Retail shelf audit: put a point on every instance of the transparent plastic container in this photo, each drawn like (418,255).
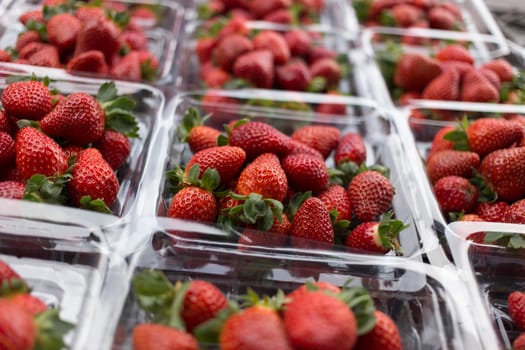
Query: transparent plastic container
(427,303)
(148,111)
(163,36)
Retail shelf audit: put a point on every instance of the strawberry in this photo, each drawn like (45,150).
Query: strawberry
(193,203)
(260,8)
(264,176)
(328,69)
(452,162)
(114,147)
(502,68)
(45,56)
(72,151)
(35,15)
(17,328)
(406,98)
(128,68)
(7,124)
(309,313)
(494,212)
(378,237)
(25,38)
(455,53)
(12,189)
(336,198)
(197,135)
(299,42)
(350,148)
(149,65)
(256,67)
(93,177)
(256,138)
(79,118)
(444,87)
(256,328)
(133,39)
(492,77)
(384,335)
(305,172)
(282,16)
(216,78)
(98,34)
(490,134)
(30,303)
(441,18)
(318,285)
(473,218)
(477,88)
(89,13)
(7,149)
(415,71)
(406,15)
(7,274)
(90,61)
(461,66)
(293,76)
(515,214)
(516,308)
(319,52)
(322,138)
(202,302)
(275,42)
(519,342)
(26,99)
(312,222)
(155,336)
(504,170)
(455,194)
(62,31)
(32,48)
(204,48)
(37,153)
(237,25)
(331,108)
(371,195)
(296,147)
(227,160)
(229,49)
(453,8)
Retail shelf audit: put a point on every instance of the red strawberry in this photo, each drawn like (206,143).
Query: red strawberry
(256,67)
(406,98)
(452,162)
(455,53)
(128,68)
(377,6)
(114,147)
(45,55)
(515,214)
(516,307)
(88,13)
(255,328)
(27,99)
(384,335)
(78,118)
(134,39)
(256,138)
(193,203)
(455,194)
(155,336)
(489,134)
(7,124)
(227,160)
(201,137)
(492,77)
(371,195)
(305,172)
(299,42)
(216,78)
(441,18)
(504,170)
(35,15)
(326,68)
(474,218)
(62,31)
(264,176)
(92,176)
(204,48)
(406,15)
(37,153)
(320,285)
(307,314)
(477,88)
(415,71)
(260,8)
(319,52)
(351,147)
(461,66)
(202,302)
(12,189)
(378,237)
(236,25)
(319,137)
(282,16)
(90,61)
(7,274)
(25,38)
(336,198)
(7,149)
(98,34)
(502,68)
(293,76)
(17,328)
(312,222)
(331,108)
(274,42)
(453,8)
(519,342)
(296,147)
(72,151)
(492,211)
(444,87)
(30,303)
(276,236)
(229,49)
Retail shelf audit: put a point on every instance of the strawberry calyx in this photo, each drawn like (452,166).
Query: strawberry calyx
(458,136)
(503,239)
(47,189)
(18,78)
(275,302)
(210,179)
(387,19)
(388,231)
(358,299)
(68,6)
(362,9)
(295,203)
(98,205)
(121,19)
(317,84)
(191,119)
(39,27)
(148,71)
(237,83)
(118,110)
(388,59)
(13,286)
(51,330)
(485,191)
(204,11)
(224,140)
(154,294)
(208,332)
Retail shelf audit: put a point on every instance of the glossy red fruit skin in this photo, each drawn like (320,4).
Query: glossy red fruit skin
(439,143)
(17,328)
(316,320)
(504,170)
(455,53)
(494,212)
(256,67)
(30,303)
(516,308)
(92,61)
(384,335)
(293,76)
(98,34)
(502,68)
(297,147)
(155,336)
(274,42)
(227,160)
(7,273)
(443,87)
(13,190)
(415,71)
(336,197)
(256,138)
(229,49)
(515,214)
(128,68)
(27,99)
(371,195)
(477,88)
(366,237)
(114,147)
(7,149)
(452,162)
(202,137)
(26,38)
(490,134)
(202,301)
(62,31)
(311,222)
(193,203)
(321,285)
(351,147)
(305,172)
(322,138)
(519,342)
(299,42)
(455,194)
(327,68)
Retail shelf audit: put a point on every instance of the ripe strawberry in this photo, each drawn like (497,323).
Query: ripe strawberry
(25,38)
(384,335)
(88,13)
(305,172)
(461,66)
(92,176)
(296,147)
(114,147)
(516,308)
(319,285)
(193,203)
(274,42)
(282,16)
(309,313)
(406,98)
(490,134)
(502,68)
(519,342)
(515,214)
(12,189)
(35,15)
(155,336)
(45,56)
(494,212)
(455,52)
(351,147)
(444,87)
(62,31)
(331,108)
(504,170)
(378,237)
(264,176)
(477,88)
(90,61)
(128,68)
(17,328)
(311,222)
(319,137)
(406,15)
(260,8)
(299,42)
(475,218)
(32,48)
(204,48)
(29,303)
(455,194)
(72,151)
(27,99)
(256,67)
(78,118)
(319,52)
(227,160)
(37,153)
(255,328)
(293,76)
(229,49)
(134,39)
(415,71)
(326,68)
(216,78)
(7,123)
(98,34)
(202,302)
(237,25)
(441,18)
(371,195)
(276,236)
(256,138)
(336,198)
(7,149)
(7,274)
(452,162)
(492,77)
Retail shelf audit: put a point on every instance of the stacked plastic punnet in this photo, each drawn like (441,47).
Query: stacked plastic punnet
(263,174)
